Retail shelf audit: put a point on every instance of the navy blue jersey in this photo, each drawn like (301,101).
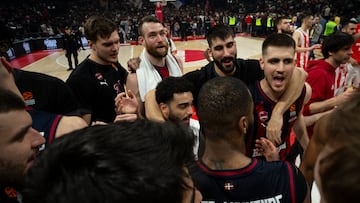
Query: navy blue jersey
(260,181)
(46,93)
(263,107)
(46,123)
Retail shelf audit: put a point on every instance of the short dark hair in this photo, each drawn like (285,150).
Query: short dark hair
(222,101)
(278,20)
(305,16)
(221,31)
(9,101)
(147,19)
(98,26)
(344,21)
(134,162)
(278,40)
(166,89)
(335,42)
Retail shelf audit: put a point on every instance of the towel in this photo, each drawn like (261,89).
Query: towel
(148,77)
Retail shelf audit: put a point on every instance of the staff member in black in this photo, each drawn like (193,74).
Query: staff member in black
(71,47)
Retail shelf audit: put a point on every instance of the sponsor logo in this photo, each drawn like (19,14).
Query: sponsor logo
(29,98)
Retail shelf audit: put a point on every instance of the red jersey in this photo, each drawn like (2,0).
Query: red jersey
(356,47)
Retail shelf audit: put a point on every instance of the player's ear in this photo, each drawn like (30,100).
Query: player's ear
(164,108)
(141,40)
(91,44)
(243,124)
(262,63)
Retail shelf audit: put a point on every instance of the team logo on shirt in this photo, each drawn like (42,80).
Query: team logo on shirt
(293,113)
(100,77)
(263,116)
(228,186)
(29,98)
(117,87)
(10,192)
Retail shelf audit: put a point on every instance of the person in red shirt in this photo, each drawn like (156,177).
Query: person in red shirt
(248,21)
(321,77)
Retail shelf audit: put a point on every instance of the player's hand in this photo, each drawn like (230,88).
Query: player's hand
(133,64)
(315,46)
(267,149)
(273,129)
(345,96)
(126,103)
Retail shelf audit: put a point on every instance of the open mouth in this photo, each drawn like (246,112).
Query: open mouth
(160,47)
(228,61)
(31,160)
(186,120)
(278,80)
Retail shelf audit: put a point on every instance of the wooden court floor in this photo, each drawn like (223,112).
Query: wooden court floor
(56,63)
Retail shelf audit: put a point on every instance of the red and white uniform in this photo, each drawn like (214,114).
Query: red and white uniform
(354,70)
(356,47)
(347,74)
(302,58)
(340,78)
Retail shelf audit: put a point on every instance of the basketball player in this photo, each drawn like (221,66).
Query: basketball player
(224,173)
(222,48)
(278,63)
(302,40)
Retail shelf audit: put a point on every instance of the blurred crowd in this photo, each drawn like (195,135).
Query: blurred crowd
(43,18)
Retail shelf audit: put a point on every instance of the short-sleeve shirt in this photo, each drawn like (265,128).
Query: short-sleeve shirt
(96,86)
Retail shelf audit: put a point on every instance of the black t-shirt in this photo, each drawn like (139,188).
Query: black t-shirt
(96,86)
(45,93)
(248,71)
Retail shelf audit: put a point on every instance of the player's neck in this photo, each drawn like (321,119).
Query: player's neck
(274,96)
(304,27)
(220,154)
(156,61)
(98,60)
(332,62)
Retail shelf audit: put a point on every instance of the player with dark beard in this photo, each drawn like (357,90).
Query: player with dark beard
(222,48)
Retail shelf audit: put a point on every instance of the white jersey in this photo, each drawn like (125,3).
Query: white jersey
(302,58)
(341,73)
